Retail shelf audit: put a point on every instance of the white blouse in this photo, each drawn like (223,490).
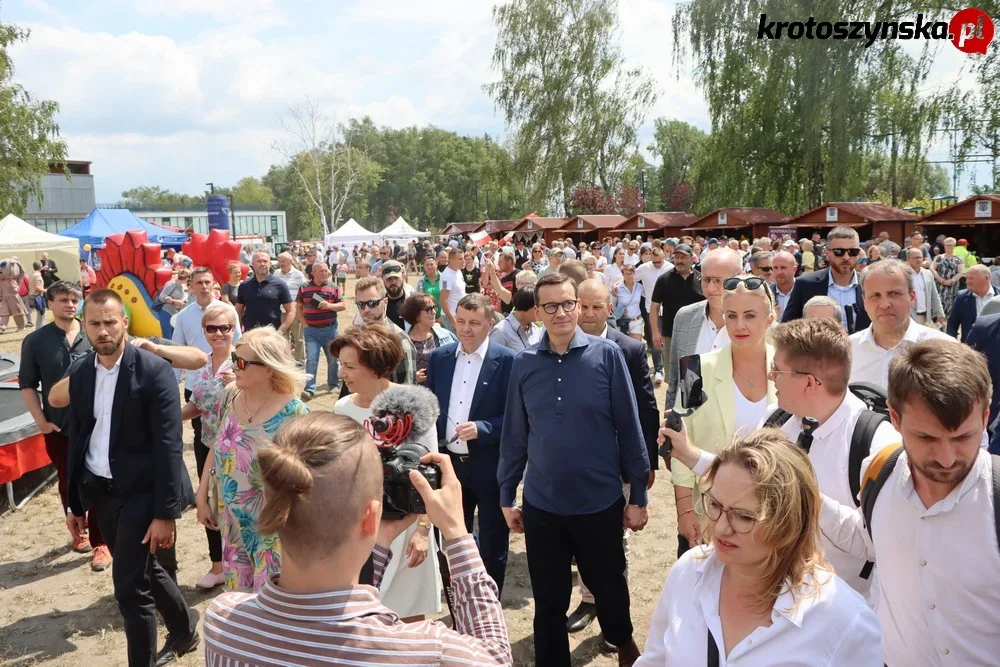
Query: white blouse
(748,415)
(832,628)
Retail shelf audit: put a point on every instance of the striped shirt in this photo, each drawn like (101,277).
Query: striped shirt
(351,627)
(315,316)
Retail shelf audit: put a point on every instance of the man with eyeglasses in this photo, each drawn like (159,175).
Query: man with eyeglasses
(839,280)
(572,412)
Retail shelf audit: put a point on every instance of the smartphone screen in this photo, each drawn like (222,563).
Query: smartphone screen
(690,380)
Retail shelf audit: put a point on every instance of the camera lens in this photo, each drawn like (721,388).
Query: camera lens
(381,425)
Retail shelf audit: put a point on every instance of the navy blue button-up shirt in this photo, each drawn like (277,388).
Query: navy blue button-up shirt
(572,418)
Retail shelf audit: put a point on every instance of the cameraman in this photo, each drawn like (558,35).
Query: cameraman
(324,465)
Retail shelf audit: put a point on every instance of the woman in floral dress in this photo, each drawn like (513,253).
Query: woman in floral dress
(251,410)
(948,269)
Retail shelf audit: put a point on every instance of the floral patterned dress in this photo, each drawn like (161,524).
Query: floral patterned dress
(205,393)
(248,558)
(948,267)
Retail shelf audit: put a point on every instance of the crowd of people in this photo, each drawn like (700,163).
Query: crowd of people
(830,375)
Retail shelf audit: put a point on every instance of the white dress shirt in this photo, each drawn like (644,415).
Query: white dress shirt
(647,275)
(938,595)
(98,458)
(829,627)
(463,388)
(920,289)
(188,331)
(612,273)
(983,300)
(711,337)
(830,454)
(870,362)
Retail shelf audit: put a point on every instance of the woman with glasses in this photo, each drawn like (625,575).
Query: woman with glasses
(759,592)
(263,396)
(219,323)
(948,270)
(537,261)
(735,381)
(411,584)
(425,334)
(626,297)
(430,284)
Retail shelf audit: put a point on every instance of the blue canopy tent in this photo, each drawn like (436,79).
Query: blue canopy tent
(103,222)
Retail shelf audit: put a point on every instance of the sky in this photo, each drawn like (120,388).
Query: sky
(178,93)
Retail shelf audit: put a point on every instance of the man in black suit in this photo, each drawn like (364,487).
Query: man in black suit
(970,301)
(595,306)
(839,281)
(984,336)
(470,381)
(125,461)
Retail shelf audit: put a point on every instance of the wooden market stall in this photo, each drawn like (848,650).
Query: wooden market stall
(588,227)
(869,218)
(655,224)
(976,219)
(744,223)
(462,228)
(532,227)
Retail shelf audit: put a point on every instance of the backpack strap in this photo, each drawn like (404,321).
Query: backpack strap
(861,444)
(875,477)
(777,419)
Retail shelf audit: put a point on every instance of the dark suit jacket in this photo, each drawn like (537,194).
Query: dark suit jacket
(813,284)
(145,447)
(642,386)
(488,400)
(963,314)
(984,336)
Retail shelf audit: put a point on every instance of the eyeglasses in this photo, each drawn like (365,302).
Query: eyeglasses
(429,309)
(552,308)
(241,363)
(218,328)
(774,371)
(765,269)
(840,252)
(739,520)
(365,305)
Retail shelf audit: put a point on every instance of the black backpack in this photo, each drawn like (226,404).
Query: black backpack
(876,413)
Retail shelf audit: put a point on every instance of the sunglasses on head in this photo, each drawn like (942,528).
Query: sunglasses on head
(364,305)
(752,283)
(840,252)
(218,328)
(241,363)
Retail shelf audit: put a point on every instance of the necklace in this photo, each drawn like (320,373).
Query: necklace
(246,406)
(742,375)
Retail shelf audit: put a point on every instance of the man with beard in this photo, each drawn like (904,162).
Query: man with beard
(125,462)
(839,280)
(370,297)
(396,289)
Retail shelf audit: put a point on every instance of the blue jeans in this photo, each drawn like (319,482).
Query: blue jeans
(319,338)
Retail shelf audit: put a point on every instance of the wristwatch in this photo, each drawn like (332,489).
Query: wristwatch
(424,524)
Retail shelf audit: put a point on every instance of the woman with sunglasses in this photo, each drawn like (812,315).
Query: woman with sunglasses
(219,323)
(537,261)
(735,381)
(626,297)
(411,583)
(263,396)
(425,334)
(759,592)
(948,270)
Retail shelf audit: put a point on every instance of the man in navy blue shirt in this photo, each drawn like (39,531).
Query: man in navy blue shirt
(571,411)
(262,297)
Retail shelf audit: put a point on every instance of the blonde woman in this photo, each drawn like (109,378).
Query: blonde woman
(735,381)
(948,270)
(231,289)
(264,396)
(808,256)
(760,591)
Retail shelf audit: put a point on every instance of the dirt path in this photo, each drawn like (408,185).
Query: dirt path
(55,611)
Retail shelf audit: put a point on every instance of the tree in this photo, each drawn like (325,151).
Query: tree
(249,191)
(29,134)
(566,93)
(155,197)
(678,145)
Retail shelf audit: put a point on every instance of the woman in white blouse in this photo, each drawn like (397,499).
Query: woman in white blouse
(759,592)
(626,296)
(613,271)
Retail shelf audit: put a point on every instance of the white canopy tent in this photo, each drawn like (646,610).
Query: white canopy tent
(351,234)
(26,242)
(401,230)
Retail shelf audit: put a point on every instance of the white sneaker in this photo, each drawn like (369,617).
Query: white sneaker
(658,379)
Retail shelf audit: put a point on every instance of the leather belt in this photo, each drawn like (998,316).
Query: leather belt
(462,458)
(104,484)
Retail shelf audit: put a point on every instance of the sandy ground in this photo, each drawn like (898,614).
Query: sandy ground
(55,611)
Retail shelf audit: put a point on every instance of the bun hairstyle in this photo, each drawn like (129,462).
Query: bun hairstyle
(319,474)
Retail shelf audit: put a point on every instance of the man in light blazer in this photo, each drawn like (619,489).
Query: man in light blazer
(927,306)
(698,328)
(470,381)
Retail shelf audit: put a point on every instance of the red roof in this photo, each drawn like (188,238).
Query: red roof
(538,223)
(868,212)
(741,217)
(494,226)
(658,220)
(954,215)
(593,222)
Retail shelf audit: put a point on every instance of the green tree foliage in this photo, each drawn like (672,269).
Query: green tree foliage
(565,91)
(29,134)
(249,192)
(795,122)
(678,145)
(153,196)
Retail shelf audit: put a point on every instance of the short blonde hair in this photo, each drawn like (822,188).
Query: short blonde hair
(219,310)
(274,350)
(788,521)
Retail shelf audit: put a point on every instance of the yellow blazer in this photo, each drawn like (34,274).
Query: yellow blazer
(711,426)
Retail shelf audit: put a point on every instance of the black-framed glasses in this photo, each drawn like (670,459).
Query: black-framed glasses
(218,328)
(752,283)
(840,252)
(739,520)
(774,371)
(552,308)
(241,363)
(429,309)
(367,305)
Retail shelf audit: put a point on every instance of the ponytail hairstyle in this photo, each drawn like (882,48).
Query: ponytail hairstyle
(319,475)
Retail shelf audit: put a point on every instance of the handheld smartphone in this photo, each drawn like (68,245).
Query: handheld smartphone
(692,395)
